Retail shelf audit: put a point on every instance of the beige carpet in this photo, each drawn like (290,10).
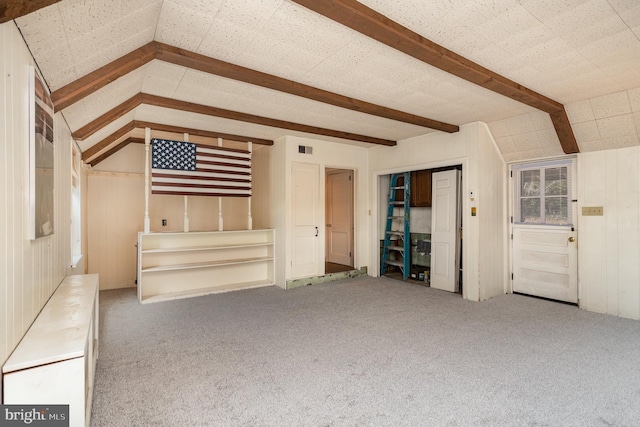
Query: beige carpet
(363,352)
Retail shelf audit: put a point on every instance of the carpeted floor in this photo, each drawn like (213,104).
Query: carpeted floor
(362,352)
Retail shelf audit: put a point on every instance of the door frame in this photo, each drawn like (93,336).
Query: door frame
(376,212)
(327,172)
(511,207)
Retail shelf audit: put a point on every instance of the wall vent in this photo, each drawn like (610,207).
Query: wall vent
(304,149)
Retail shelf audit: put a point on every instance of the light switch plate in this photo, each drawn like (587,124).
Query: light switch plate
(592,211)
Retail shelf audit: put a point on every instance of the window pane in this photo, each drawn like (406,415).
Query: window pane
(555,181)
(530,183)
(555,210)
(530,211)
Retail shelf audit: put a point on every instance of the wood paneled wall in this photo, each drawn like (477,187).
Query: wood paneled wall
(115,212)
(30,270)
(609,245)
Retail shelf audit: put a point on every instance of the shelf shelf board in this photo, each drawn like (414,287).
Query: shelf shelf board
(205,264)
(205,291)
(205,248)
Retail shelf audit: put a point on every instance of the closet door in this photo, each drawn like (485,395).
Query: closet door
(444,231)
(305,203)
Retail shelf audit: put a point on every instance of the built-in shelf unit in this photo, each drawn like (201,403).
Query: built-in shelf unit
(181,265)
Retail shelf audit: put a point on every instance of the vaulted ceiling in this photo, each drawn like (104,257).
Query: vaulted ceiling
(549,77)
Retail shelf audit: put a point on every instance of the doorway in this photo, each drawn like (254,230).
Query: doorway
(339,220)
(435,226)
(544,252)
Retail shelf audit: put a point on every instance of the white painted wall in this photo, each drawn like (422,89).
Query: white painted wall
(609,245)
(327,155)
(484,273)
(30,271)
(491,197)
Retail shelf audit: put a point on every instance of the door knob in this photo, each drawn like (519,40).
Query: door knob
(572,239)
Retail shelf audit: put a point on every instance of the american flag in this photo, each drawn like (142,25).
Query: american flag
(185,168)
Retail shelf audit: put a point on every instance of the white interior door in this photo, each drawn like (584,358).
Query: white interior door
(544,251)
(545,262)
(339,217)
(444,230)
(305,193)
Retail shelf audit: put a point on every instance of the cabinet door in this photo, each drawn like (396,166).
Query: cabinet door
(421,188)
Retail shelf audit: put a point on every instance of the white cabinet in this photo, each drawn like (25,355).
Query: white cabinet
(180,265)
(55,361)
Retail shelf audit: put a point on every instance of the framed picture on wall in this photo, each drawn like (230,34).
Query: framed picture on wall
(41,157)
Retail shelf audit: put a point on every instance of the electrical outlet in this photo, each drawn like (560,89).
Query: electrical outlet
(164,222)
(592,211)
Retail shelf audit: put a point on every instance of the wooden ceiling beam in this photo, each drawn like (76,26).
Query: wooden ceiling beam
(203,133)
(209,65)
(159,101)
(136,124)
(12,9)
(108,117)
(114,150)
(259,120)
(563,128)
(95,149)
(367,21)
(79,89)
(84,86)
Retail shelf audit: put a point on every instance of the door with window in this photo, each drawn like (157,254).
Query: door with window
(544,250)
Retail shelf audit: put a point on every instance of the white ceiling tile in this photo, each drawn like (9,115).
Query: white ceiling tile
(609,143)
(162,78)
(615,47)
(139,20)
(228,42)
(93,42)
(540,120)
(43,30)
(247,12)
(548,138)
(616,126)
(536,153)
(520,124)
(634,99)
(580,111)
(636,120)
(505,144)
(83,17)
(498,129)
(611,105)
(586,131)
(526,141)
(630,140)
(588,146)
(58,67)
(548,9)
(182,26)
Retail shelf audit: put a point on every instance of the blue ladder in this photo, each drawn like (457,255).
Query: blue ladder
(398,241)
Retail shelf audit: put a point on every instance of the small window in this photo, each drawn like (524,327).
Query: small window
(543,193)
